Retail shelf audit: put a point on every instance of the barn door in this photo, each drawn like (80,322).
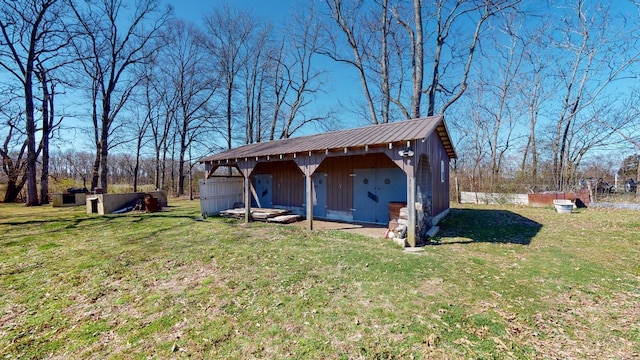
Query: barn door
(365,198)
(320,195)
(392,187)
(264,189)
(373,189)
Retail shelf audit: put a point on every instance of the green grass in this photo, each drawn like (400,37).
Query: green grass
(500,282)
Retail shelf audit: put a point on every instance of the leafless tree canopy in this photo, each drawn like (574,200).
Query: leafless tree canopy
(535,94)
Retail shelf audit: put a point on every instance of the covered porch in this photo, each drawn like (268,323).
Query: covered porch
(349,176)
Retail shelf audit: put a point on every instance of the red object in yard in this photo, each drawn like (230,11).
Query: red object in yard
(546,199)
(150,203)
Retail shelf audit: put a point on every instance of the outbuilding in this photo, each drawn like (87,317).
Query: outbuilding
(348,175)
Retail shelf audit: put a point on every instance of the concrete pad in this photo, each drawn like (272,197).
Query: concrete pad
(370,230)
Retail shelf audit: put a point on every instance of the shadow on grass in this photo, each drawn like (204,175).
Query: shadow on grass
(464,226)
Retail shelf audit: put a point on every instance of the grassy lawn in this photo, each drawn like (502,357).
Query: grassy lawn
(503,282)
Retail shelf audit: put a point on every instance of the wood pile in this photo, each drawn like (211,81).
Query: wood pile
(263,214)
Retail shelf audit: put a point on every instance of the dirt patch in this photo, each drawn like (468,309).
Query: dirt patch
(432,287)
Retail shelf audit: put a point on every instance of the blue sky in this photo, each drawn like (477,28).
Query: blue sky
(194,10)
(342,84)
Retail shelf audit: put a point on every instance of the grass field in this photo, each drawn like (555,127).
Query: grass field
(502,282)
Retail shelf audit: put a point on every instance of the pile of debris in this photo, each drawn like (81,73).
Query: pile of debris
(282,216)
(398,226)
(148,204)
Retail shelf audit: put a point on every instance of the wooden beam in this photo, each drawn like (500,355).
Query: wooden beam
(255,195)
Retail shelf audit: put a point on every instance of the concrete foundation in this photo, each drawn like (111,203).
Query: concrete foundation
(63,200)
(107,203)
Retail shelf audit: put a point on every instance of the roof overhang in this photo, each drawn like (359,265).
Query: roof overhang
(357,140)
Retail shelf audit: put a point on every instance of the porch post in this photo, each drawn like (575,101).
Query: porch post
(246,168)
(408,164)
(247,199)
(309,196)
(308,165)
(411,210)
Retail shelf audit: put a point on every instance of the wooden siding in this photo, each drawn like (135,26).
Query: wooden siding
(433,148)
(288,179)
(340,176)
(288,182)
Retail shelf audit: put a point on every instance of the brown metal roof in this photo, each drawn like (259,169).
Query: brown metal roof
(351,138)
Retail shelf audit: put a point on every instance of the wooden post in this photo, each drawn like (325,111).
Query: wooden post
(247,199)
(411,210)
(246,168)
(308,165)
(309,195)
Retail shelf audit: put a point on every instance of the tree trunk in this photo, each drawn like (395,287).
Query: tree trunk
(136,169)
(157,170)
(44,176)
(95,170)
(47,124)
(104,168)
(181,175)
(104,140)
(418,61)
(229,112)
(32,158)
(384,64)
(13,190)
(190,175)
(435,78)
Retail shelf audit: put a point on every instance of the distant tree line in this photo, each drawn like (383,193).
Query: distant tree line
(73,169)
(535,94)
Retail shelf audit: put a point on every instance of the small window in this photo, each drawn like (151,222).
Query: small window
(441,170)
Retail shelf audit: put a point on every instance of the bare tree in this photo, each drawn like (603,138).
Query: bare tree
(49,123)
(351,19)
(161,104)
(439,26)
(256,72)
(624,121)
(533,92)
(229,34)
(187,64)
(14,145)
(31,35)
(297,80)
(595,52)
(449,17)
(498,83)
(138,129)
(109,46)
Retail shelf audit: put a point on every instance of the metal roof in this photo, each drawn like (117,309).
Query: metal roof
(372,135)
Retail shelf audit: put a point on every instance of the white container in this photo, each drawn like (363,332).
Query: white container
(563,206)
